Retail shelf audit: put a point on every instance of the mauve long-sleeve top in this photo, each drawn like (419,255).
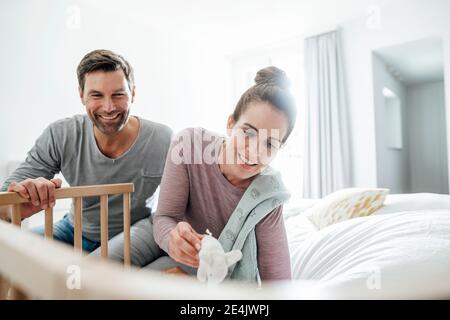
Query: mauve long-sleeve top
(199,194)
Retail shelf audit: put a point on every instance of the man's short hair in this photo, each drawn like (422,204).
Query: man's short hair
(104,60)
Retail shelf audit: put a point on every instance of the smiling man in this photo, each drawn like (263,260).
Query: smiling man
(105,145)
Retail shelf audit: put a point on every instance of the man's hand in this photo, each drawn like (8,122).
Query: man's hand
(184,244)
(40,192)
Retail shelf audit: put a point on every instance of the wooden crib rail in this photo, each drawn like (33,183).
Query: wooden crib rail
(48,269)
(13,200)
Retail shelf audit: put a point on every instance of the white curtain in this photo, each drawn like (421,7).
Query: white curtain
(327,158)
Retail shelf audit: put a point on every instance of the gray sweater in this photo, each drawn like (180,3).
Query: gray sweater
(68,146)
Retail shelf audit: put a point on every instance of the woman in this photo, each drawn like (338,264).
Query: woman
(211,193)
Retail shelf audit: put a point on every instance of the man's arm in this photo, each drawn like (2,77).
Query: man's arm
(43,160)
(32,178)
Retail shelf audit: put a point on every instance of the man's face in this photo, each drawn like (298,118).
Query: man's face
(107,99)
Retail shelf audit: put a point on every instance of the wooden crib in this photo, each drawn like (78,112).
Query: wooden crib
(76,193)
(32,266)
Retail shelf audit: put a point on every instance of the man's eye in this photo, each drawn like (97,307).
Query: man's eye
(118,95)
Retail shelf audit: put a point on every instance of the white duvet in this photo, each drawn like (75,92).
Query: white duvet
(388,255)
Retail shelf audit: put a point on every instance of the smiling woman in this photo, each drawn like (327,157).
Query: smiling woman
(287,55)
(262,121)
(237,196)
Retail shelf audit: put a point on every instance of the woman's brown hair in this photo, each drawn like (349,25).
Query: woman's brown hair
(271,86)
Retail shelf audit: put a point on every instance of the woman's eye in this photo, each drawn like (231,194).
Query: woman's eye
(272,145)
(250,132)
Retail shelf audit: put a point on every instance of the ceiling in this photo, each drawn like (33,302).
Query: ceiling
(415,62)
(241,24)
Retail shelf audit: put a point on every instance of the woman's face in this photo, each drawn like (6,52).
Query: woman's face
(255,139)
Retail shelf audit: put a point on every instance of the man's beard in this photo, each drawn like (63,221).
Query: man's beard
(107,127)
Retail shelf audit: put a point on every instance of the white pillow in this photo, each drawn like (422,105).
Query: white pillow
(413,202)
(346,204)
(296,206)
(298,230)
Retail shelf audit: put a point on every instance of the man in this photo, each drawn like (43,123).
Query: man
(105,145)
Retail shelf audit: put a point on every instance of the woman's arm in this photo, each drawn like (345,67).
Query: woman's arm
(171,233)
(173,198)
(273,252)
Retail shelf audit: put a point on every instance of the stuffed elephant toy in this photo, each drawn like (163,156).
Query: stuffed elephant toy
(214,262)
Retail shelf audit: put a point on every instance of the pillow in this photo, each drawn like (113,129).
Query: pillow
(296,206)
(298,230)
(346,204)
(413,202)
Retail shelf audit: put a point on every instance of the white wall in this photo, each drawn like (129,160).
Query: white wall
(392,164)
(400,22)
(180,80)
(427,140)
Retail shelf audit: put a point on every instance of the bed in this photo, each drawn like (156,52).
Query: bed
(402,250)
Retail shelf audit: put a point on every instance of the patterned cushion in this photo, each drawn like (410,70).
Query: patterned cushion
(346,204)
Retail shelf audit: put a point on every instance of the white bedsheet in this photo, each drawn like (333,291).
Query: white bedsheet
(375,256)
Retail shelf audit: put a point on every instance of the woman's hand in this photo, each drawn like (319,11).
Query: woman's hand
(184,244)
(175,271)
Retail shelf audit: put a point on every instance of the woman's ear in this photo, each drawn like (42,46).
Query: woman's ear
(230,124)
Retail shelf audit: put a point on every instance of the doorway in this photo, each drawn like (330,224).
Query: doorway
(411,138)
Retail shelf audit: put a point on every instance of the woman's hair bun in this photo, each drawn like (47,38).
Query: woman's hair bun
(272,76)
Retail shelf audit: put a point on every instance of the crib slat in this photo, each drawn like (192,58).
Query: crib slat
(49,223)
(77,224)
(16,217)
(126,229)
(104,225)
(16,293)
(4,288)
